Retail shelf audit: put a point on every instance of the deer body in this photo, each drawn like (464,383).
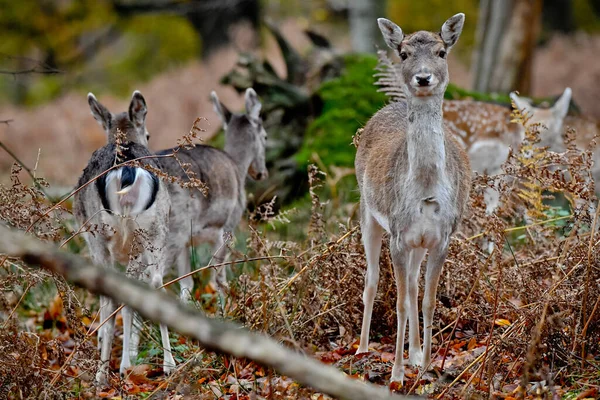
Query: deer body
(414,180)
(121,202)
(207,218)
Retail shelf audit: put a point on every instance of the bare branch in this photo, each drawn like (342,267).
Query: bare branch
(37,67)
(6,121)
(224,337)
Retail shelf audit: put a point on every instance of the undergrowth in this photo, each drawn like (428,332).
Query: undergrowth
(517,312)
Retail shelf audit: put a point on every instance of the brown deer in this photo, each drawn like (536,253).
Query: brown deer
(414,179)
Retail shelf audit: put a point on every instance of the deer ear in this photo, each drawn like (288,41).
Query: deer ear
(392,34)
(138,109)
(452,28)
(100,113)
(253,105)
(222,111)
(561,107)
(521,104)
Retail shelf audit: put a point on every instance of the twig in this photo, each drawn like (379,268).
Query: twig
(16,306)
(6,121)
(328,250)
(587,284)
(25,167)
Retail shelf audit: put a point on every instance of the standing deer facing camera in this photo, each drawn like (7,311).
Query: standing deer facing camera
(414,181)
(122,201)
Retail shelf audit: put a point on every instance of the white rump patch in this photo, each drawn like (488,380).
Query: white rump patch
(133,199)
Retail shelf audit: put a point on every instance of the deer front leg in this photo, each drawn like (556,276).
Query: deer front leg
(432,277)
(415,354)
(372,234)
(400,258)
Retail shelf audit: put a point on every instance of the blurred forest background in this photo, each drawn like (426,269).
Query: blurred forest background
(310,61)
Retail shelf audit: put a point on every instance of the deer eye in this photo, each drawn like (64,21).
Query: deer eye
(403,55)
(442,54)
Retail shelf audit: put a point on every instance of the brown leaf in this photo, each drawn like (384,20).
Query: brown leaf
(472,344)
(387,357)
(138,374)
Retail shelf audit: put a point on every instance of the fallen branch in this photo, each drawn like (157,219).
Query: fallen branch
(224,337)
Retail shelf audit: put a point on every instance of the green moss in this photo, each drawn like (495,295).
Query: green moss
(348,103)
(454,92)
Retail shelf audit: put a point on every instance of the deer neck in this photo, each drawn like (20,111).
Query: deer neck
(242,156)
(425,143)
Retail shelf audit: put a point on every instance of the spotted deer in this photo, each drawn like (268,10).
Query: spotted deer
(488,134)
(122,202)
(414,180)
(208,218)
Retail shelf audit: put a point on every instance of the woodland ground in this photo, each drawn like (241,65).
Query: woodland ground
(519,322)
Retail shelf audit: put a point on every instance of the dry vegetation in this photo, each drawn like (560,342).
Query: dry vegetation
(521,321)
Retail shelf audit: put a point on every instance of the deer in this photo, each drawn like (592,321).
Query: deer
(208,218)
(488,134)
(414,179)
(123,200)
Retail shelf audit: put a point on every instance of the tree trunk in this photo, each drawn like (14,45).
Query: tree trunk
(364,32)
(506,35)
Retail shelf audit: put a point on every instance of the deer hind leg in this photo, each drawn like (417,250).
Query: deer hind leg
(156,281)
(218,275)
(400,259)
(372,235)
(108,305)
(127,324)
(415,354)
(136,327)
(184,267)
(435,263)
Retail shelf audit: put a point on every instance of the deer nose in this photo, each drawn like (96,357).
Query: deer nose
(423,79)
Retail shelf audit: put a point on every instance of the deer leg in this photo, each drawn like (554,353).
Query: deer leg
(168,360)
(218,276)
(372,234)
(108,305)
(186,285)
(415,354)
(127,313)
(432,277)
(135,337)
(400,259)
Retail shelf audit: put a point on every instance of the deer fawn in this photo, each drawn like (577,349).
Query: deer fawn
(414,179)
(207,219)
(122,201)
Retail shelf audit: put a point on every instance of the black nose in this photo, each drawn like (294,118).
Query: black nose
(259,176)
(423,80)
